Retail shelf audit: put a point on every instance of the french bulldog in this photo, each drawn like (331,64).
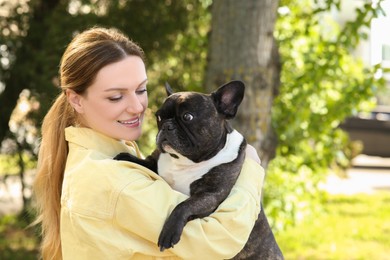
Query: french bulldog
(200,154)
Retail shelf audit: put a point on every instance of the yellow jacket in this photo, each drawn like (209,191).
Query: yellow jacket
(115,209)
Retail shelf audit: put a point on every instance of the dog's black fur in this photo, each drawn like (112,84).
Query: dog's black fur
(194,126)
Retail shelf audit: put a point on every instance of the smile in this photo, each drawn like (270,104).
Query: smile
(132,122)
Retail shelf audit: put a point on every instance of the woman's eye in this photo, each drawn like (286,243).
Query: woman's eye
(141,91)
(188,117)
(115,98)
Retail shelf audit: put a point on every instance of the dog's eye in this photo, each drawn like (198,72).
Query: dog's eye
(188,117)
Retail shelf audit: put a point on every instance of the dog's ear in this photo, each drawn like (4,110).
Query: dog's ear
(228,97)
(168,89)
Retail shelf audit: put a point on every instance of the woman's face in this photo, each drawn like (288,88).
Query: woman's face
(116,102)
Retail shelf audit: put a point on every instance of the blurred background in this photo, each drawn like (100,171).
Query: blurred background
(316,108)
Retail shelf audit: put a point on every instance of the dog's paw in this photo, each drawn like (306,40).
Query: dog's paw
(170,234)
(123,157)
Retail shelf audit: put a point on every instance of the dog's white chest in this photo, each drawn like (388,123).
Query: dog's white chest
(180,173)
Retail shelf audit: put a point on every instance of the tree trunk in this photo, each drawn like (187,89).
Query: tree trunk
(242,47)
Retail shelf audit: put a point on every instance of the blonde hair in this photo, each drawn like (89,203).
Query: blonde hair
(86,54)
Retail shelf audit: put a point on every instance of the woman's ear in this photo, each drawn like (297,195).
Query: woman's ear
(75,100)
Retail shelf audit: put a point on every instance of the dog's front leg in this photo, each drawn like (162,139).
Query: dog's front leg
(149,162)
(193,207)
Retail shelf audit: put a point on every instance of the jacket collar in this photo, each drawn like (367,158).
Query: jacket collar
(90,139)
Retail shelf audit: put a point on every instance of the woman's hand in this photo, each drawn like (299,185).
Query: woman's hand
(252,153)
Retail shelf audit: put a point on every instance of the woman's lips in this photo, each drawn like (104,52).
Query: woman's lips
(135,122)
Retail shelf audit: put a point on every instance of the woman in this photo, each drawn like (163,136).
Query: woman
(93,207)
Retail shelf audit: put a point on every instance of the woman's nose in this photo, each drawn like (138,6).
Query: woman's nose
(135,105)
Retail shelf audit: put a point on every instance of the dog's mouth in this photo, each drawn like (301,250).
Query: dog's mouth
(166,146)
(169,143)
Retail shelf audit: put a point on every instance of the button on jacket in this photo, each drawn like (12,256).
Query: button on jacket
(116,209)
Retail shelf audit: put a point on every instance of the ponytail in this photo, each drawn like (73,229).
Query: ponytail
(48,181)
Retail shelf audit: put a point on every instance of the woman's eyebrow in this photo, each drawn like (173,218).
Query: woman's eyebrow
(124,89)
(143,82)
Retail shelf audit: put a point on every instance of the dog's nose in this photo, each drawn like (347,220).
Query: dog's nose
(168,126)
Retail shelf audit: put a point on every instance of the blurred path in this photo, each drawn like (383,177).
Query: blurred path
(368,174)
(10,197)
(11,201)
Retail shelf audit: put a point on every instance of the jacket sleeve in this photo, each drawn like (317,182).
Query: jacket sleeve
(144,204)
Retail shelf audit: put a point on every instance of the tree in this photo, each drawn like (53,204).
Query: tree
(322,83)
(242,47)
(23,35)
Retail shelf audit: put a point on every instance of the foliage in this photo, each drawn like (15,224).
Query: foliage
(16,240)
(9,164)
(321,85)
(349,227)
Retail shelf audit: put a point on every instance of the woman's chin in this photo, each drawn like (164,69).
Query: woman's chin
(133,136)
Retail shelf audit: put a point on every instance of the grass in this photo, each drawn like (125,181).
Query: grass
(350,227)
